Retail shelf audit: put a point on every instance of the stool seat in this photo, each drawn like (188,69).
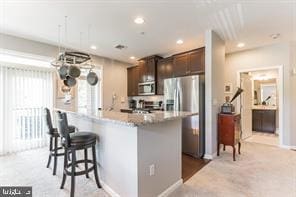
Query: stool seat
(82,138)
(71,128)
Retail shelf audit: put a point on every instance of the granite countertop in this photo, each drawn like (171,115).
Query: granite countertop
(133,119)
(264,107)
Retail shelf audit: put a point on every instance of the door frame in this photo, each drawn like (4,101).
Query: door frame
(280,89)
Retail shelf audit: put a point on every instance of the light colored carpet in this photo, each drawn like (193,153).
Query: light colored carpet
(264,138)
(260,171)
(29,169)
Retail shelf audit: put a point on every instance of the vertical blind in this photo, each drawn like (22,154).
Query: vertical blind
(24,94)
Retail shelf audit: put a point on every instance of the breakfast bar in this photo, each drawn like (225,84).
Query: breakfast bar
(137,154)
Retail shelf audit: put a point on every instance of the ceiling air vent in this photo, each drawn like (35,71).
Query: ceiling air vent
(120,47)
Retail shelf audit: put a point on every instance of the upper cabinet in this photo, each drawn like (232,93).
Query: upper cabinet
(196,61)
(164,71)
(180,65)
(189,63)
(132,81)
(155,68)
(147,68)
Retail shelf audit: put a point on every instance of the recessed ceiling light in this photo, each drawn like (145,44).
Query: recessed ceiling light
(240,45)
(180,41)
(93,47)
(139,20)
(132,58)
(275,36)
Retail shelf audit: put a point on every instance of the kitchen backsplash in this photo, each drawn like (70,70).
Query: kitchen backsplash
(147,98)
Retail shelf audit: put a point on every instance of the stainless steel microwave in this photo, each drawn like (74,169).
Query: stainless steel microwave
(147,88)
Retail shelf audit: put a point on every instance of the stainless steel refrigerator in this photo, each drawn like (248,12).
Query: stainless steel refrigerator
(187,94)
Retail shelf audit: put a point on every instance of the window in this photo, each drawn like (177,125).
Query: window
(24,94)
(88,96)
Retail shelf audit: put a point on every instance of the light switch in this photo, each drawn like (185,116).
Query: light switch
(122,99)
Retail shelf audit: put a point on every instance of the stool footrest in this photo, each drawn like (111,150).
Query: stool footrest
(68,172)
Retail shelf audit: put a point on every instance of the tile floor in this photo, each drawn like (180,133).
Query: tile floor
(264,138)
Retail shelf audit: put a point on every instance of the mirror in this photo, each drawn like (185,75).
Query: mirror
(265,92)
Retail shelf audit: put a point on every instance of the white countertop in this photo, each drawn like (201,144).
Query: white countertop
(133,119)
(264,107)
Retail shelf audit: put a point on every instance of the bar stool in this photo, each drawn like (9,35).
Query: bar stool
(53,141)
(71,143)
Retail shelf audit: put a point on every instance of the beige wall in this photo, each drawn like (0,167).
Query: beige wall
(114,82)
(269,56)
(114,72)
(293,95)
(215,64)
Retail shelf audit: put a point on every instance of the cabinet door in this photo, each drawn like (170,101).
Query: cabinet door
(180,65)
(150,69)
(268,121)
(132,81)
(142,70)
(196,63)
(164,71)
(226,129)
(161,74)
(256,120)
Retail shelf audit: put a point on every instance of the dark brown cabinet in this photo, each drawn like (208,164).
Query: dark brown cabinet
(189,63)
(229,133)
(180,65)
(147,68)
(264,120)
(164,71)
(196,62)
(132,81)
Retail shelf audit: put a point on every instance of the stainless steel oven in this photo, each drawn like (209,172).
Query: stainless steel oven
(147,88)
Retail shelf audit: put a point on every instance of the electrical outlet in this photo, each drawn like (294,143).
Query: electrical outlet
(152,170)
(294,71)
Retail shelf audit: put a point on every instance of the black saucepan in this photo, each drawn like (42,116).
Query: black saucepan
(63,71)
(74,71)
(92,78)
(70,81)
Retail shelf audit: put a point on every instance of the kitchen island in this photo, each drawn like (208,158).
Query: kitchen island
(137,154)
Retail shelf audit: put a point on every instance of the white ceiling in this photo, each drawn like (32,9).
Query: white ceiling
(111,23)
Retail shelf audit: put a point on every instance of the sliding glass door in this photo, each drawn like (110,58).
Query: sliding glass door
(24,93)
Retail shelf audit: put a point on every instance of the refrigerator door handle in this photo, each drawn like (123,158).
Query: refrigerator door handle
(175,99)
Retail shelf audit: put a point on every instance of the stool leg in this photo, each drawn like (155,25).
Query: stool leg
(73,173)
(86,163)
(239,147)
(50,150)
(55,155)
(64,169)
(233,153)
(95,166)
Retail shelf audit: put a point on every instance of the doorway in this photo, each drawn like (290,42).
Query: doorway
(261,105)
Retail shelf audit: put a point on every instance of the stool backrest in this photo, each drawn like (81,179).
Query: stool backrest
(48,120)
(63,127)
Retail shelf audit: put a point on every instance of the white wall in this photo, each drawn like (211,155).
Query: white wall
(269,56)
(293,95)
(114,72)
(215,65)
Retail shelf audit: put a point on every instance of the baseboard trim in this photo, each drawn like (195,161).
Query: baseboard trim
(288,147)
(212,156)
(108,189)
(172,188)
